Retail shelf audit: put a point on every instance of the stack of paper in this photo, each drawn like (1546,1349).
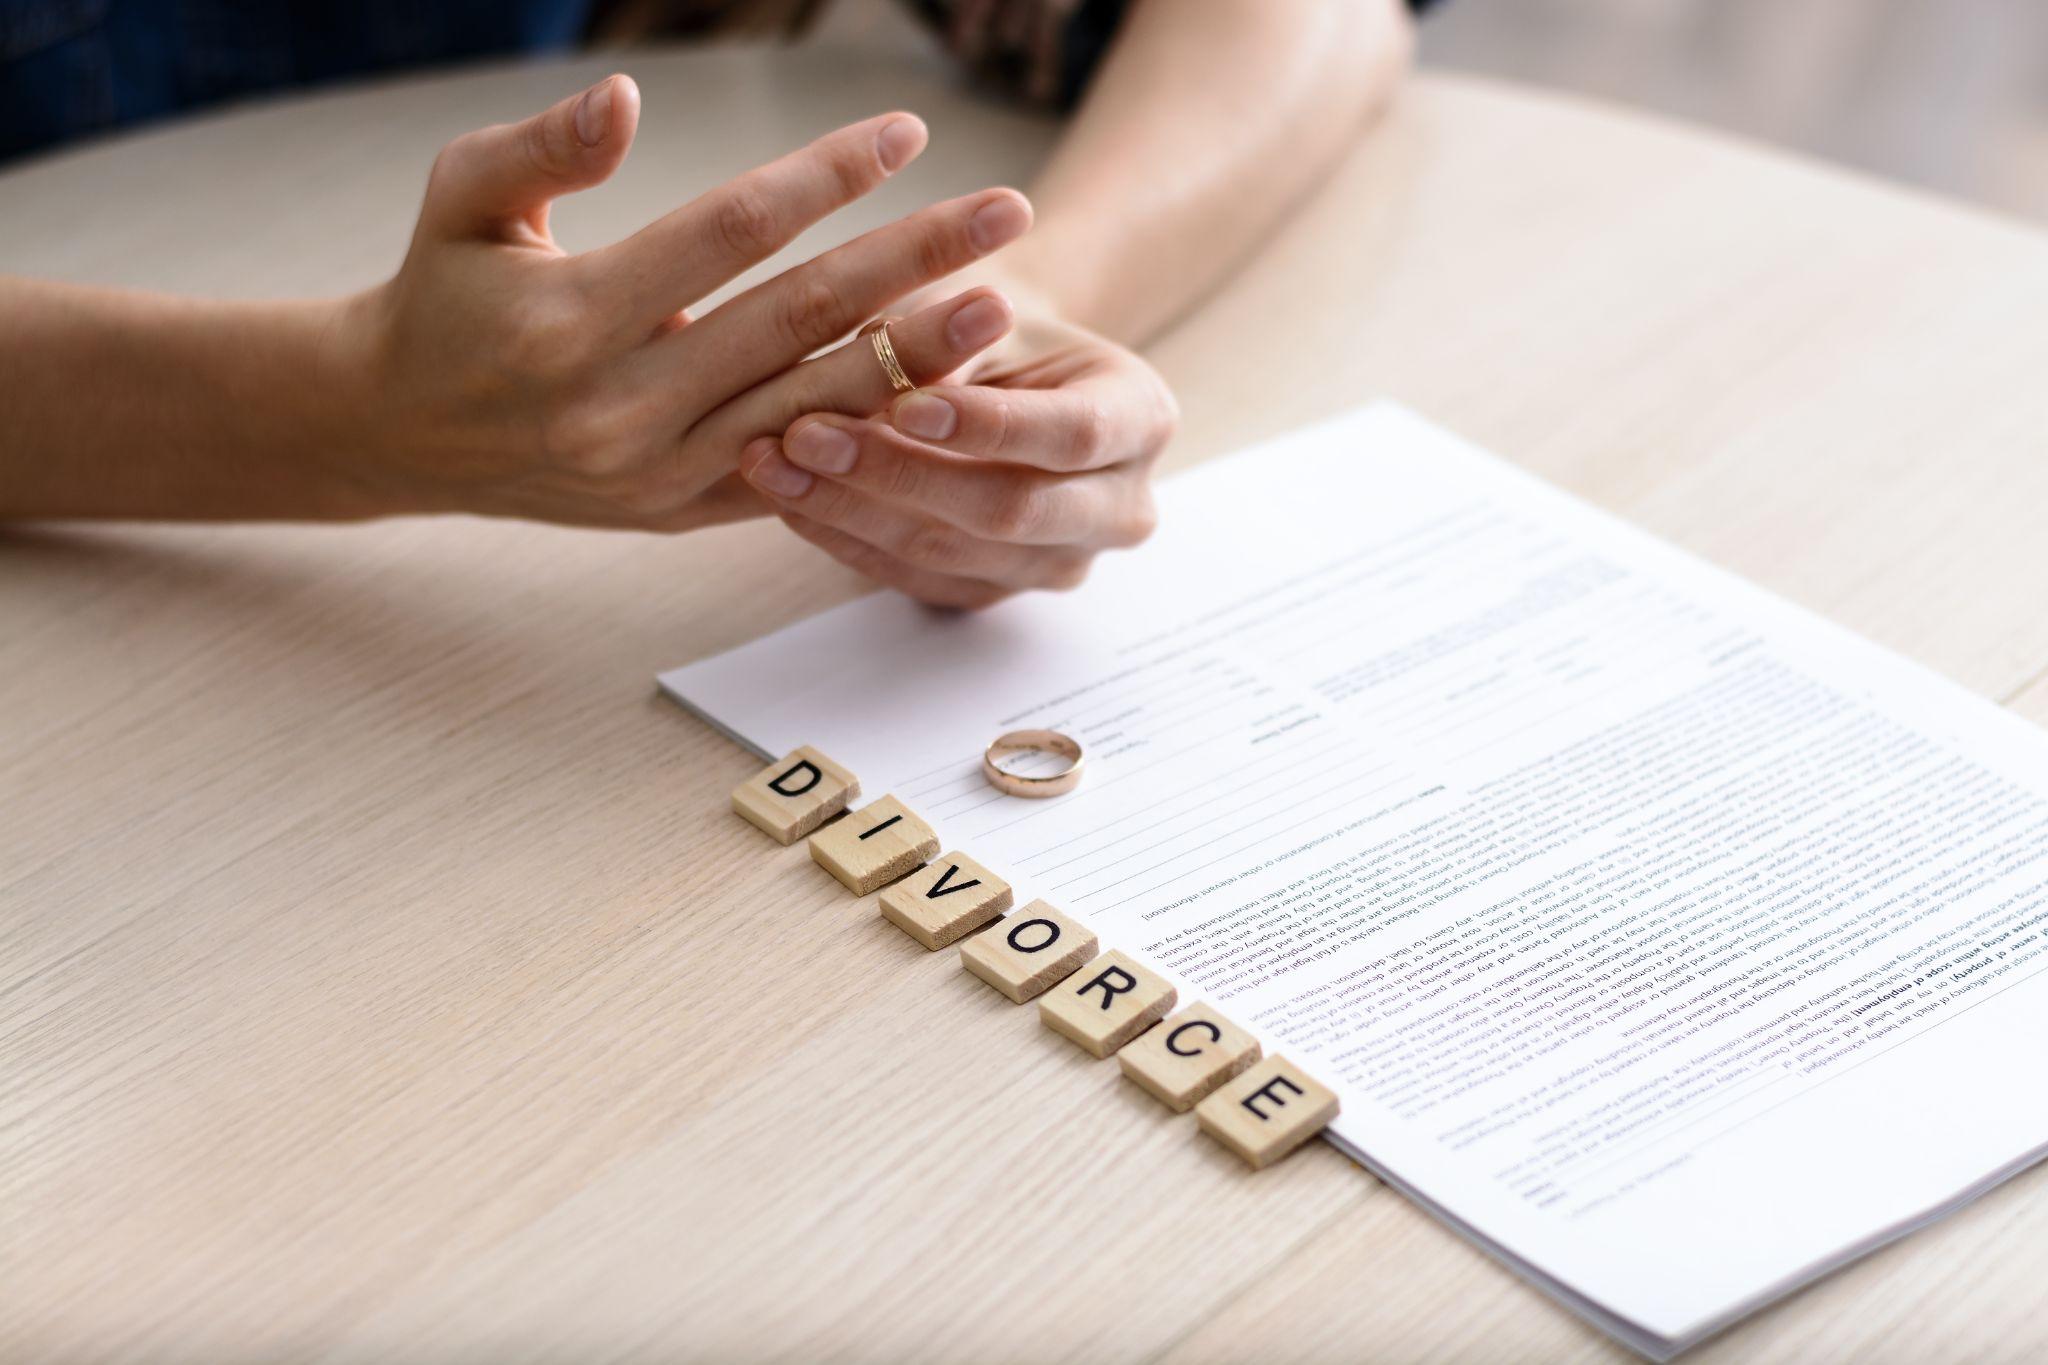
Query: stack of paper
(1668,940)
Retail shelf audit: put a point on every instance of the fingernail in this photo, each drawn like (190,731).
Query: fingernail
(978,323)
(921,414)
(779,476)
(998,221)
(899,140)
(823,447)
(594,113)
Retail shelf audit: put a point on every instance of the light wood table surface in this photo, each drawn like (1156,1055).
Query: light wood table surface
(382,976)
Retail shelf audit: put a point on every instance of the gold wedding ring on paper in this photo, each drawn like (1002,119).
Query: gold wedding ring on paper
(1038,742)
(877,333)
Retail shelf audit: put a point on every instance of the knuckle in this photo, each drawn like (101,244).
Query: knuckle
(1166,412)
(542,140)
(590,440)
(1138,524)
(808,389)
(812,311)
(746,223)
(1002,426)
(547,338)
(834,503)
(1069,572)
(449,161)
(1018,513)
(853,166)
(857,555)
(1092,436)
(902,480)
(934,545)
(931,250)
(809,530)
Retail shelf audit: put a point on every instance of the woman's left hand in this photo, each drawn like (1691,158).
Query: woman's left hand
(1033,458)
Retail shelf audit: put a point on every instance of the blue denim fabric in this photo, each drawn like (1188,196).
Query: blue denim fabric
(73,67)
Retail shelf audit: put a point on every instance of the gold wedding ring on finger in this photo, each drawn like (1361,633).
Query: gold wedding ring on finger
(877,333)
(1042,744)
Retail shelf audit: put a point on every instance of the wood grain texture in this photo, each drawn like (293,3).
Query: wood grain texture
(386,978)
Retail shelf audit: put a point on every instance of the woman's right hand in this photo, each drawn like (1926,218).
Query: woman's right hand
(508,377)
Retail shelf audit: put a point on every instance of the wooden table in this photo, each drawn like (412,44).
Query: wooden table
(384,977)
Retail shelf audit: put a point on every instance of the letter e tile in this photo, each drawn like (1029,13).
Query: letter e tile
(1267,1112)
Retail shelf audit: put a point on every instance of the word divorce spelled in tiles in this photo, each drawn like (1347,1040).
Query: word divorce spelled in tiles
(1106,1003)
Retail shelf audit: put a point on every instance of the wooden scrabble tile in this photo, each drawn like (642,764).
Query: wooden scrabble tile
(1106,1004)
(791,798)
(1029,951)
(1187,1056)
(1267,1112)
(946,901)
(874,846)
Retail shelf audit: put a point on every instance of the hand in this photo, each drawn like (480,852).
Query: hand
(512,378)
(1037,457)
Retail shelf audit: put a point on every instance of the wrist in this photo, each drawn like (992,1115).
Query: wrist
(281,410)
(344,409)
(128,404)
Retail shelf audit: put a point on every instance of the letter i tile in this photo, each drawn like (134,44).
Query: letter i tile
(874,846)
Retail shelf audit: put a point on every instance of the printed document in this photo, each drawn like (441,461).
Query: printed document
(1668,940)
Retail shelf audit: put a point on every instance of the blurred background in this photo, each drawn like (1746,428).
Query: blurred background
(1948,94)
(1951,95)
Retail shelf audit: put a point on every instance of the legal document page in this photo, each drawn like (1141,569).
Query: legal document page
(1667,939)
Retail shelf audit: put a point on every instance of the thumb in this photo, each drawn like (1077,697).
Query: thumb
(509,173)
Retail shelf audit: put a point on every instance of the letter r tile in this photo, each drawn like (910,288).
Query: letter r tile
(1106,1004)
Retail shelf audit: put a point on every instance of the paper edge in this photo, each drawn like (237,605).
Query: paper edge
(1644,1341)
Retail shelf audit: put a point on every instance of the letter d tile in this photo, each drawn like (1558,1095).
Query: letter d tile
(788,800)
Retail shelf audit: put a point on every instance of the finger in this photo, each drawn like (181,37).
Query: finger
(510,172)
(933,589)
(929,343)
(1118,414)
(1015,504)
(776,324)
(678,259)
(912,538)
